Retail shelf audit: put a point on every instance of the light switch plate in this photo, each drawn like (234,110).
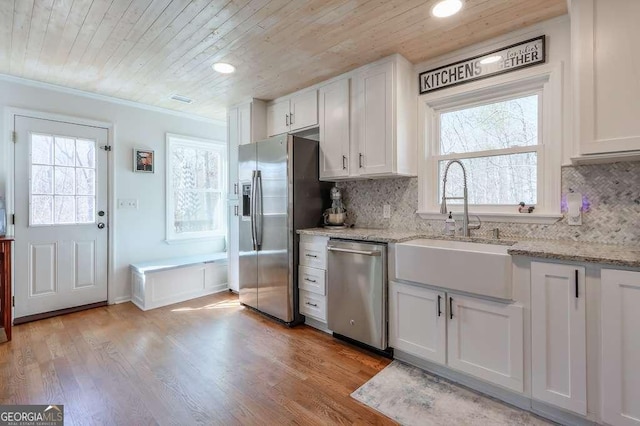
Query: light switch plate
(127,203)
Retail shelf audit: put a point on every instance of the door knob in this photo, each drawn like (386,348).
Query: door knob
(100,225)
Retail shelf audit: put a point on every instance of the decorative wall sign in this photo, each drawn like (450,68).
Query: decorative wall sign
(507,59)
(143,160)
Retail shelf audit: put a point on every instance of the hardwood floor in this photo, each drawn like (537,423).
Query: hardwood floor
(205,361)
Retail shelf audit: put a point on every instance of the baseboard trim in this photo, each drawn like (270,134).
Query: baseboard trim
(119,300)
(45,315)
(319,325)
(521,401)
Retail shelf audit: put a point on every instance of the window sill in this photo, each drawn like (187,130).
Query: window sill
(537,218)
(211,238)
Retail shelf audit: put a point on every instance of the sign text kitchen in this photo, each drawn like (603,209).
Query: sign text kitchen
(510,58)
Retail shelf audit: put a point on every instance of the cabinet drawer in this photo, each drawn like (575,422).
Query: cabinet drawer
(313,305)
(314,255)
(311,279)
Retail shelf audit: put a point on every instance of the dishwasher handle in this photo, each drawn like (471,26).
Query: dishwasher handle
(352,251)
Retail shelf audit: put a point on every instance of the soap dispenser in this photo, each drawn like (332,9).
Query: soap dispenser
(450,226)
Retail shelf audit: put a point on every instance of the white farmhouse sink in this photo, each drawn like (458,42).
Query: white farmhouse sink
(477,268)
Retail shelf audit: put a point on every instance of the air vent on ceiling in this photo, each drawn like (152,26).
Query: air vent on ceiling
(182,99)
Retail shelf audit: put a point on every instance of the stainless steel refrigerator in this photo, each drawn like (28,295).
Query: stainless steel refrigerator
(280,193)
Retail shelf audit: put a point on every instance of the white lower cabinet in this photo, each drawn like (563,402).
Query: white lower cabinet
(476,336)
(312,272)
(486,340)
(558,329)
(620,374)
(418,321)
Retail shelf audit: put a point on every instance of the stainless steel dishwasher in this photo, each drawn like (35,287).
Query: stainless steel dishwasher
(357,291)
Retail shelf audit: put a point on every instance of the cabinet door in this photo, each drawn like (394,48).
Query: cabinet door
(334,129)
(558,328)
(233,253)
(278,118)
(304,110)
(417,321)
(232,140)
(620,347)
(486,340)
(374,115)
(244,126)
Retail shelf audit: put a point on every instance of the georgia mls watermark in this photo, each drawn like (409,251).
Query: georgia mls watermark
(31,415)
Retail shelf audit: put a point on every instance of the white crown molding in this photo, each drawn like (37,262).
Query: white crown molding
(106,98)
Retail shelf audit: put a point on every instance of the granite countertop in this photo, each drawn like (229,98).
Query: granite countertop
(627,256)
(616,255)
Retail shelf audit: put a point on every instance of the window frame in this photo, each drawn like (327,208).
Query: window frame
(173,140)
(543,80)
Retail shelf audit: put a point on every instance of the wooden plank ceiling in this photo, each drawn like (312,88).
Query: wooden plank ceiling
(147,50)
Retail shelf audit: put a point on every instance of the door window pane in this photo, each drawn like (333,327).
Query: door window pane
(41,149)
(65,151)
(500,179)
(65,178)
(64,209)
(41,209)
(85,181)
(42,179)
(69,186)
(85,153)
(85,209)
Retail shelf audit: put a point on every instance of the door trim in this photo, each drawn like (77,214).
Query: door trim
(7,148)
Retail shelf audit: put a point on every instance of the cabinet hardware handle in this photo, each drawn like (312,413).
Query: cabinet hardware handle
(315,305)
(286,119)
(439,311)
(360,160)
(235,210)
(310,255)
(291,118)
(235,188)
(311,281)
(577,294)
(450,307)
(344,162)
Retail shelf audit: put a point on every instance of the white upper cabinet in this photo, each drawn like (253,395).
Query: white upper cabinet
(374,107)
(304,110)
(620,374)
(245,124)
(382,140)
(605,67)
(558,329)
(334,129)
(297,112)
(232,152)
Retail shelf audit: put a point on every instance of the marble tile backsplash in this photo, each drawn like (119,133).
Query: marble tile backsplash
(611,191)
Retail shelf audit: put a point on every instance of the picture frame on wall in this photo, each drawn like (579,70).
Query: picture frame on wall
(143,160)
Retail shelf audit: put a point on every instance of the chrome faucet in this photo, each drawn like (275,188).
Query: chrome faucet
(465,214)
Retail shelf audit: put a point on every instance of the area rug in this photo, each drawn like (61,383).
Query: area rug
(411,397)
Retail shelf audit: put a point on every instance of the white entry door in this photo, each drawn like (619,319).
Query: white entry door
(60,215)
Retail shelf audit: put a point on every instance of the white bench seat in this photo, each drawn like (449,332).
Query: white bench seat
(164,282)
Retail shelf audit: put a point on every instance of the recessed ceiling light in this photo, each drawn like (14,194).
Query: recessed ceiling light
(490,59)
(446,8)
(223,68)
(181,98)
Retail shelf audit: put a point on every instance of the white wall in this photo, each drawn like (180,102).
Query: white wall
(558,32)
(139,234)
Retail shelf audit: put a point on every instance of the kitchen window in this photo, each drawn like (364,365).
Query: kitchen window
(507,136)
(196,173)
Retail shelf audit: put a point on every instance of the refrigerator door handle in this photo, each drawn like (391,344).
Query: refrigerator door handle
(259,211)
(252,210)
